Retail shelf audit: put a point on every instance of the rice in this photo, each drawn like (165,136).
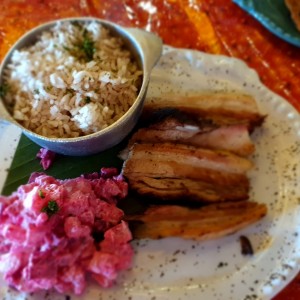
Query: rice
(75,80)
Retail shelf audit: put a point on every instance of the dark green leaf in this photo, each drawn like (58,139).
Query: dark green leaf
(25,162)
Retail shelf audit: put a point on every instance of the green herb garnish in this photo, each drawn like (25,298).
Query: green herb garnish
(88,46)
(41,194)
(51,208)
(4,88)
(36,91)
(87,100)
(67,48)
(84,49)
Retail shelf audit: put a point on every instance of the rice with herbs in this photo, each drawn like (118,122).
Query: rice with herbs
(75,80)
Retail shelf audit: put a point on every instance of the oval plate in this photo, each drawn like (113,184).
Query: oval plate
(275,16)
(174,268)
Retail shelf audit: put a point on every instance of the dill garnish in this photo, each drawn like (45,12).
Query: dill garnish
(67,48)
(88,46)
(84,49)
(51,208)
(4,88)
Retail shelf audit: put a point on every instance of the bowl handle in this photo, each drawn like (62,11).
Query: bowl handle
(151,45)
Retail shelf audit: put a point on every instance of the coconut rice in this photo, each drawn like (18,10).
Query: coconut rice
(75,80)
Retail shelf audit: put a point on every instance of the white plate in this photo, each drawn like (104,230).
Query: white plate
(177,269)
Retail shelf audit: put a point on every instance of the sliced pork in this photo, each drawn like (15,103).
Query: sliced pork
(234,138)
(222,108)
(207,222)
(176,171)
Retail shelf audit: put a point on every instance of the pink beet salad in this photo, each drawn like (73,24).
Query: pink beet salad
(48,229)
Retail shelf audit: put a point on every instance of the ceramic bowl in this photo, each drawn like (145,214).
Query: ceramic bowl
(146,49)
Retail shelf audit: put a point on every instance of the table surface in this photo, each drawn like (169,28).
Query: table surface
(212,26)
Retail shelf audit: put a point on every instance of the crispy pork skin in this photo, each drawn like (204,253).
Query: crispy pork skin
(176,171)
(207,222)
(222,108)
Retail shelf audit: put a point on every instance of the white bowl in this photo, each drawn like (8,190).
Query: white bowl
(146,49)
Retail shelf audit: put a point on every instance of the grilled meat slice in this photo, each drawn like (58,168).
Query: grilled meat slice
(234,138)
(222,109)
(194,190)
(191,157)
(207,222)
(176,171)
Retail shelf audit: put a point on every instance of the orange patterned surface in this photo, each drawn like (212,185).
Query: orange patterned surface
(213,26)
